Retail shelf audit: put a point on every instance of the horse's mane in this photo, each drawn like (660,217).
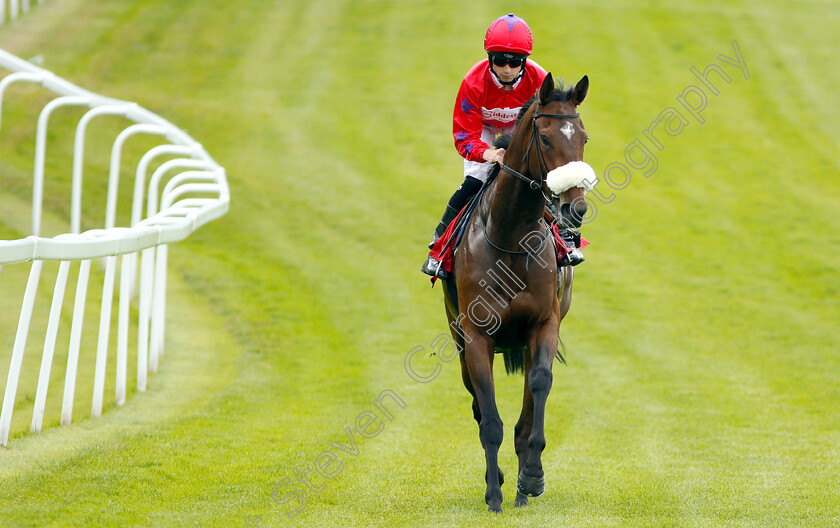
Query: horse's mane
(562,92)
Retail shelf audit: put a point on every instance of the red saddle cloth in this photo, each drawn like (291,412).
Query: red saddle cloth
(440,251)
(445,253)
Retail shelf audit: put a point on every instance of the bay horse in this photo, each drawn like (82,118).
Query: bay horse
(514,299)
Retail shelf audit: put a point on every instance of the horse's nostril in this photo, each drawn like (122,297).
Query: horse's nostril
(580,208)
(574,212)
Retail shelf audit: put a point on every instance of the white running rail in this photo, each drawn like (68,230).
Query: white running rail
(16,7)
(195,191)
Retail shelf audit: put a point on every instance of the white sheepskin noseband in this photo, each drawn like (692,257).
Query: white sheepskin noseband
(572,174)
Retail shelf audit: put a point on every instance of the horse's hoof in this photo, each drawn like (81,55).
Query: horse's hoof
(530,486)
(521,500)
(493,500)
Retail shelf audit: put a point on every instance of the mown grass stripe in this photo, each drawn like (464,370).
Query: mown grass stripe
(699,390)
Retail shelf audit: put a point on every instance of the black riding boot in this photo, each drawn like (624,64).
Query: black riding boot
(459,199)
(571,237)
(448,216)
(434,267)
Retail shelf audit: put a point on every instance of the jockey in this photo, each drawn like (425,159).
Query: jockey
(488,102)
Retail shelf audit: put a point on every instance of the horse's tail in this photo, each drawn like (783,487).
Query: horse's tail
(558,355)
(515,358)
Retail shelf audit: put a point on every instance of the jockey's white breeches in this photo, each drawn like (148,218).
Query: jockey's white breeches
(480,169)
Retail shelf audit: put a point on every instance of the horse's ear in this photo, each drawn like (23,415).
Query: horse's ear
(581,89)
(547,88)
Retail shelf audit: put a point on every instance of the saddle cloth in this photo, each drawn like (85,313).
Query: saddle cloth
(444,247)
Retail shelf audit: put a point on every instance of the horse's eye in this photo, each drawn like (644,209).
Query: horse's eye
(586,140)
(544,140)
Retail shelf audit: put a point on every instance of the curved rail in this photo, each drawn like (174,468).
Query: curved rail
(194,192)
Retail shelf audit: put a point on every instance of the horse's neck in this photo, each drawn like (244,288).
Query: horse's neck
(514,211)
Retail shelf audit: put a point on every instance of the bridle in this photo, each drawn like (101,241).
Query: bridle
(533,183)
(537,185)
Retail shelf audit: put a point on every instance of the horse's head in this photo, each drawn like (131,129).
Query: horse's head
(556,147)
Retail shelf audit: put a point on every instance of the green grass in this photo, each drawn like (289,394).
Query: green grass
(702,342)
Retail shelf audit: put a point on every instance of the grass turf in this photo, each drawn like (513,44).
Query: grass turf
(701,389)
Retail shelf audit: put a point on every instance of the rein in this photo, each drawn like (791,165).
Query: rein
(534,184)
(508,251)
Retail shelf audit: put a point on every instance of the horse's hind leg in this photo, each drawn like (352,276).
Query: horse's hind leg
(531,480)
(478,361)
(523,430)
(465,376)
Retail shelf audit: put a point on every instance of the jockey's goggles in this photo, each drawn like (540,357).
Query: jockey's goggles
(513,60)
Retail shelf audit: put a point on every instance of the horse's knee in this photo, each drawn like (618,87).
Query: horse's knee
(539,380)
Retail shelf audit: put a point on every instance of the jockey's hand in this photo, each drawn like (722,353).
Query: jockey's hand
(494,155)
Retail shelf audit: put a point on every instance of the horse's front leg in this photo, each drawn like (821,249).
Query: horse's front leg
(479,362)
(465,375)
(531,480)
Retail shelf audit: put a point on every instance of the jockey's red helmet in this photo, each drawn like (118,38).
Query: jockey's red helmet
(509,34)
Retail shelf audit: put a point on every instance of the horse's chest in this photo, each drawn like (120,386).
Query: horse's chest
(522,308)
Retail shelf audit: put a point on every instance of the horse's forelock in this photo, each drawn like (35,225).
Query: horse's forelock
(562,92)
